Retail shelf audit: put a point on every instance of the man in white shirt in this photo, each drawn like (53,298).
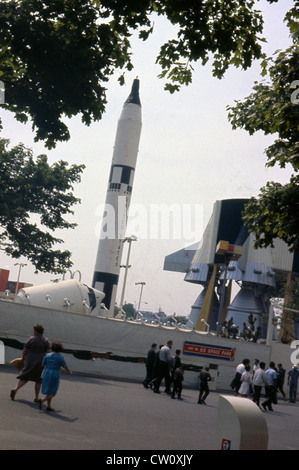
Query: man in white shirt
(259,381)
(256,365)
(164,368)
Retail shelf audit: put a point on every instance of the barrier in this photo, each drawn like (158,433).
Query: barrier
(241,425)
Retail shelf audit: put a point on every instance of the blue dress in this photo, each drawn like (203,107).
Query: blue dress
(51,376)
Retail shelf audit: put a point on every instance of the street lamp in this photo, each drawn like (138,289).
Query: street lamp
(21,265)
(130,239)
(205,323)
(142,284)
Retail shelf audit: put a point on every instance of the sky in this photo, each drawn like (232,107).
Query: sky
(189,156)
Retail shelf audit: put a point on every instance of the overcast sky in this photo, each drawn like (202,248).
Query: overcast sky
(188,155)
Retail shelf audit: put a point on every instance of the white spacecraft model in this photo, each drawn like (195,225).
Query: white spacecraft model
(120,185)
(258,272)
(69,295)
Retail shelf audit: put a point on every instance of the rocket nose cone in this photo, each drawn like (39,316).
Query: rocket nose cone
(134,95)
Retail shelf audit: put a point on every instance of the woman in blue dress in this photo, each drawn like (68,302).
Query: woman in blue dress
(52,362)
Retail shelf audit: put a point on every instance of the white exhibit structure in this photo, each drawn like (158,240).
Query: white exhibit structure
(120,185)
(258,273)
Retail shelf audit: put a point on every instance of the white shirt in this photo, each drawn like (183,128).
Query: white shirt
(260,378)
(165,354)
(240,369)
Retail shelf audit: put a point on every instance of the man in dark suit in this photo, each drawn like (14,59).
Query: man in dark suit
(149,364)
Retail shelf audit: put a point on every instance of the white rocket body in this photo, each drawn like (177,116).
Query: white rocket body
(69,295)
(107,266)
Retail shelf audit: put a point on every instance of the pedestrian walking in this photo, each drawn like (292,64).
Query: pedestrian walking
(149,364)
(175,362)
(236,382)
(280,380)
(271,388)
(292,382)
(259,381)
(246,382)
(256,366)
(51,376)
(33,353)
(178,382)
(204,378)
(164,368)
(156,367)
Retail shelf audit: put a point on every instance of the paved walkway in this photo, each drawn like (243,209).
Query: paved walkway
(100,414)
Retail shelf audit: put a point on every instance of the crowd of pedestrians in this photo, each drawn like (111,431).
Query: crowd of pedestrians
(162,365)
(252,382)
(41,363)
(258,382)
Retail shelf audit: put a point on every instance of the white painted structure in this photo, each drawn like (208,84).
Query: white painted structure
(69,295)
(120,185)
(116,348)
(241,425)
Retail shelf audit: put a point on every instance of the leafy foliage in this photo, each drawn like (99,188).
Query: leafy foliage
(273,108)
(250,332)
(289,311)
(54,60)
(31,189)
(229,329)
(275,214)
(57,55)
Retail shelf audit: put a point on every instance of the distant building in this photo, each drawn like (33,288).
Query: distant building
(8,287)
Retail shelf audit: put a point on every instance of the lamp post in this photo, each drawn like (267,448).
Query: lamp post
(130,239)
(21,265)
(205,323)
(142,284)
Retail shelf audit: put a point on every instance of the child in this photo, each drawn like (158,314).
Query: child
(52,362)
(178,382)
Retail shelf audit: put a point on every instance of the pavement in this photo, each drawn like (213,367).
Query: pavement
(93,413)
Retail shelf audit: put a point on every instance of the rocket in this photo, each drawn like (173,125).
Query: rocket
(119,191)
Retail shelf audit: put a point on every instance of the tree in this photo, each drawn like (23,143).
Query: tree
(57,55)
(29,190)
(128,310)
(229,329)
(250,333)
(288,310)
(273,108)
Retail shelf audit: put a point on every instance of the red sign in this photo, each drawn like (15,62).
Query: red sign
(208,350)
(225,444)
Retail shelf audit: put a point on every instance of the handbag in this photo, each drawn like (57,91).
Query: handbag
(18,363)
